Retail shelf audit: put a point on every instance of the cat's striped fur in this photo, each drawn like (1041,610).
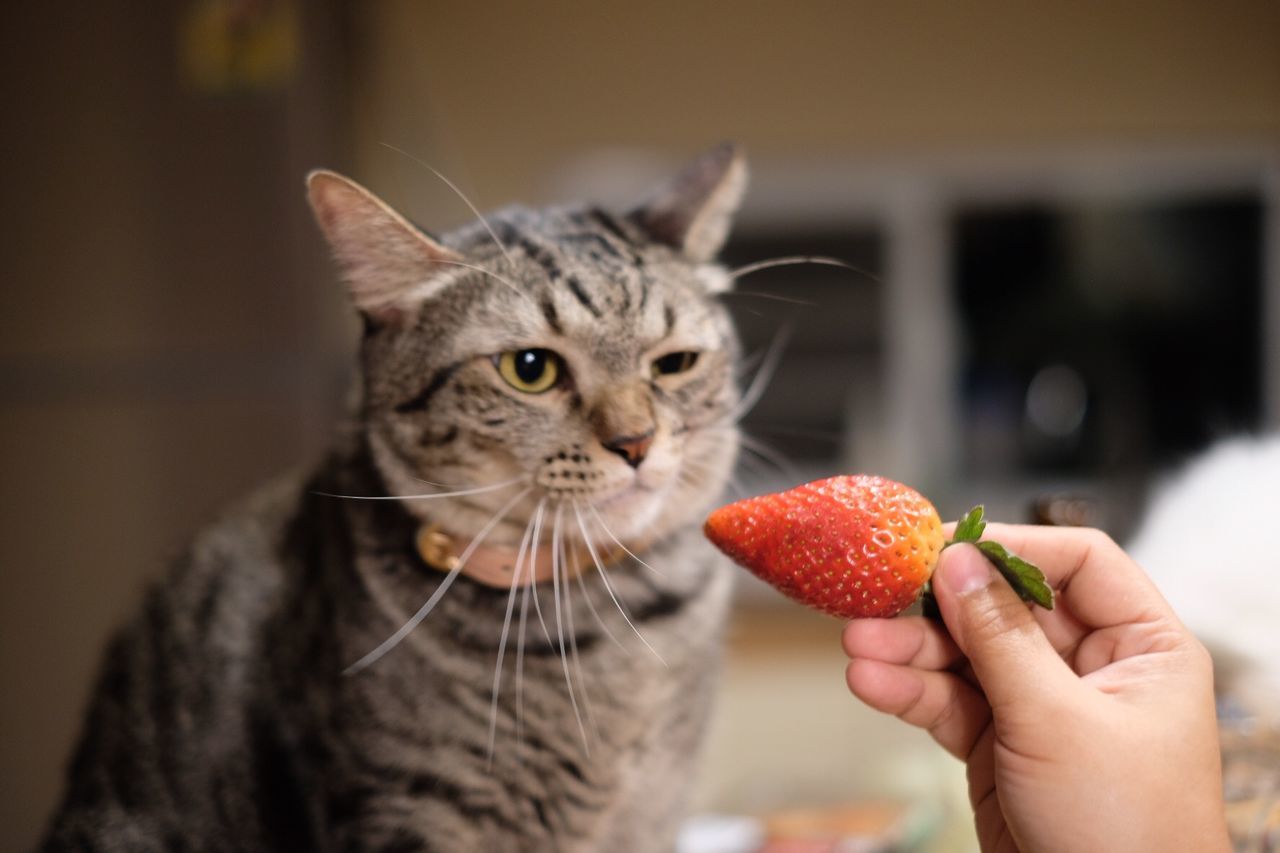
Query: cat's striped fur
(223,718)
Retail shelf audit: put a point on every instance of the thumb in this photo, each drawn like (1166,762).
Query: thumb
(1010,655)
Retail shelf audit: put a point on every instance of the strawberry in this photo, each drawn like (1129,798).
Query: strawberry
(854,546)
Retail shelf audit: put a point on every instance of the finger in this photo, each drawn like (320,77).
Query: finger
(988,813)
(1009,652)
(1064,630)
(906,640)
(1094,578)
(1061,627)
(941,703)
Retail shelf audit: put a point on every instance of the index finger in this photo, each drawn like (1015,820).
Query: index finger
(1098,582)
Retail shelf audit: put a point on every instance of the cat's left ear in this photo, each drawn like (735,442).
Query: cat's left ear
(693,211)
(390,266)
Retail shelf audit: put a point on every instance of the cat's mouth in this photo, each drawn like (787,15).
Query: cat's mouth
(625,498)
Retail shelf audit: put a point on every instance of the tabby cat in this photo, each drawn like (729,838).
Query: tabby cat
(541,392)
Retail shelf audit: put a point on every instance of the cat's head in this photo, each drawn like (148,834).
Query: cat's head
(580,353)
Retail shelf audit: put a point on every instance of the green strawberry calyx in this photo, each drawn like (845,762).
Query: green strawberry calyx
(1026,578)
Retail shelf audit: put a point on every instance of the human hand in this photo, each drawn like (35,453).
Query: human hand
(1089,727)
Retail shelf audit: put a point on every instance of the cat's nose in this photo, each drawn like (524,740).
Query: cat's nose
(632,448)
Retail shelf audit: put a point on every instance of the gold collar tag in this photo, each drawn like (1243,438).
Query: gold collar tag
(493,566)
(435,547)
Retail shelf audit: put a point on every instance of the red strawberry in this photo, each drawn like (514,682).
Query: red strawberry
(853,546)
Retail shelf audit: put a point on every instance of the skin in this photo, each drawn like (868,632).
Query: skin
(1089,727)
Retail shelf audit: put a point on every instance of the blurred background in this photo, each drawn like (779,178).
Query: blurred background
(1067,216)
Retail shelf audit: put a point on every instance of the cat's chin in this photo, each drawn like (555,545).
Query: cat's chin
(630,513)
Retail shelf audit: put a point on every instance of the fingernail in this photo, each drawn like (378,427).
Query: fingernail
(962,570)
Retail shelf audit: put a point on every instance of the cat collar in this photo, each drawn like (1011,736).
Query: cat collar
(495,565)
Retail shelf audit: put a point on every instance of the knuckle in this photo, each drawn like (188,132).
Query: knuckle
(1097,544)
(994,616)
(1100,539)
(1201,654)
(941,716)
(909,707)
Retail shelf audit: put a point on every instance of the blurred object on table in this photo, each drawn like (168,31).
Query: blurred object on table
(853,828)
(858,827)
(1064,510)
(1250,780)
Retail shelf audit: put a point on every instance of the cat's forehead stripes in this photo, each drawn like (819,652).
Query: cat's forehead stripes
(614,227)
(594,287)
(422,399)
(550,314)
(586,272)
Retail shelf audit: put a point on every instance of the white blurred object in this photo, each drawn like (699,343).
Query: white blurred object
(1209,542)
(713,833)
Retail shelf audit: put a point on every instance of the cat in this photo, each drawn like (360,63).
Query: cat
(1206,540)
(541,390)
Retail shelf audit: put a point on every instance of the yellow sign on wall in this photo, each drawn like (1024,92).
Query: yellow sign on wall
(229,46)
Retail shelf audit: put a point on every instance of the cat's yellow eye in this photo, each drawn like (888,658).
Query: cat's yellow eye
(530,370)
(675,362)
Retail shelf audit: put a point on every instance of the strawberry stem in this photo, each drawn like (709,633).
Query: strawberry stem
(969,528)
(1026,578)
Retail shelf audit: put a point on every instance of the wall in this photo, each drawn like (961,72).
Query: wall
(501,96)
(170,335)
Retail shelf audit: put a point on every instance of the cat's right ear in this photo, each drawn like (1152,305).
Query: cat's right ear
(389,266)
(693,211)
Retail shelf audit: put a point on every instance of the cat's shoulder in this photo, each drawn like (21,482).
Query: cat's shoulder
(239,552)
(257,519)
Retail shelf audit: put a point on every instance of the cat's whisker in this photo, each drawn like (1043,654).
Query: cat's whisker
(604,577)
(698,465)
(719,425)
(689,476)
(596,613)
(768,366)
(533,577)
(394,640)
(794,260)
(489,273)
(756,472)
(686,478)
(724,419)
(450,184)
(438,485)
(787,299)
(747,363)
(618,542)
(573,646)
(524,617)
(524,478)
(530,592)
(731,480)
(557,557)
(506,627)
(769,455)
